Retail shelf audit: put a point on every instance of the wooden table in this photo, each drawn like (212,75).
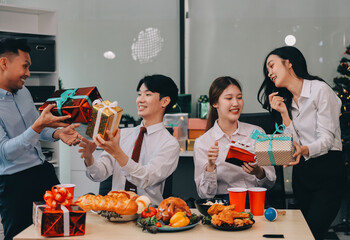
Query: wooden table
(292,225)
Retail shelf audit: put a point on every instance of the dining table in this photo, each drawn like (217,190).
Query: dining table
(290,226)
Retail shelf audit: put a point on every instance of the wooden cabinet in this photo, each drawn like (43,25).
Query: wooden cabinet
(36,25)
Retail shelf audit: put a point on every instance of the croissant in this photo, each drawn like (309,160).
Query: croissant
(120,202)
(168,207)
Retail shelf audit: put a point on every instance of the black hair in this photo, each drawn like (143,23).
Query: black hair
(217,87)
(12,45)
(297,59)
(163,85)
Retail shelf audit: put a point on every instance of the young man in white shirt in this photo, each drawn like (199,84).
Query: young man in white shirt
(159,153)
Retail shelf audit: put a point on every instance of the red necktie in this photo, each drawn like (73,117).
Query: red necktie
(135,156)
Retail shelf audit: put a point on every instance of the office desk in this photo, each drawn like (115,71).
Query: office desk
(292,225)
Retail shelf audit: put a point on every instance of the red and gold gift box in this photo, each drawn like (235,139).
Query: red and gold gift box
(74,102)
(105,116)
(64,221)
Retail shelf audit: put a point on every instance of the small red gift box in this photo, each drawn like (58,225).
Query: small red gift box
(64,221)
(74,102)
(237,155)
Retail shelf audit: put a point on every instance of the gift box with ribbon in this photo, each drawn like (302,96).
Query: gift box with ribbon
(275,149)
(74,102)
(105,116)
(57,216)
(60,221)
(203,107)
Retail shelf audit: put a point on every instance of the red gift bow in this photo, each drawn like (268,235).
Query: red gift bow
(57,195)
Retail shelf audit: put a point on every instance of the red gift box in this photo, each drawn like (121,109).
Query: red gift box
(64,221)
(74,102)
(237,155)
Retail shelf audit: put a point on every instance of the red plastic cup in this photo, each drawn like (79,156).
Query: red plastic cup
(69,187)
(257,200)
(237,197)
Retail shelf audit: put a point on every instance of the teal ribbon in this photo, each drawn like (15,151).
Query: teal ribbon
(261,137)
(65,96)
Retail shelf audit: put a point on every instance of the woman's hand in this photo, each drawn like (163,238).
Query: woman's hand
(298,152)
(87,148)
(277,103)
(213,154)
(254,169)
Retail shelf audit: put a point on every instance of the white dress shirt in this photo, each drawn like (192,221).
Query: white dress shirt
(225,175)
(158,160)
(316,119)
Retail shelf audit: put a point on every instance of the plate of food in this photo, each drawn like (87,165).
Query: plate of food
(166,228)
(227,227)
(172,215)
(227,219)
(116,206)
(204,204)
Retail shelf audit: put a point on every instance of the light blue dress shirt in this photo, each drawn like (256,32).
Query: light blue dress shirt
(19,144)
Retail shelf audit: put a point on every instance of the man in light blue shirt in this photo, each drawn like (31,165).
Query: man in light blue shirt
(24,173)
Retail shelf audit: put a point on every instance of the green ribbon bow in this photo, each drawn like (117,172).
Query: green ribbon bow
(261,137)
(65,96)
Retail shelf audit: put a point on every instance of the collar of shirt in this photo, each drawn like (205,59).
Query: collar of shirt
(305,92)
(4,93)
(218,133)
(153,128)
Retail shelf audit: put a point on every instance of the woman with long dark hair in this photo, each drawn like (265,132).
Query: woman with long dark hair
(310,110)
(213,176)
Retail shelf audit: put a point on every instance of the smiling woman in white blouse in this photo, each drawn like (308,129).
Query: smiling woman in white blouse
(310,111)
(213,176)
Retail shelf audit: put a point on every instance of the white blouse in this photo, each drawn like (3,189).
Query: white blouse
(316,120)
(225,175)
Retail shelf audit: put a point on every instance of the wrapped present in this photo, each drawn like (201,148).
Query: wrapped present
(203,107)
(74,102)
(105,116)
(195,133)
(239,153)
(197,123)
(190,144)
(60,221)
(196,127)
(275,149)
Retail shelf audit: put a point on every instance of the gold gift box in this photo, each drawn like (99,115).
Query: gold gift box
(106,121)
(190,144)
